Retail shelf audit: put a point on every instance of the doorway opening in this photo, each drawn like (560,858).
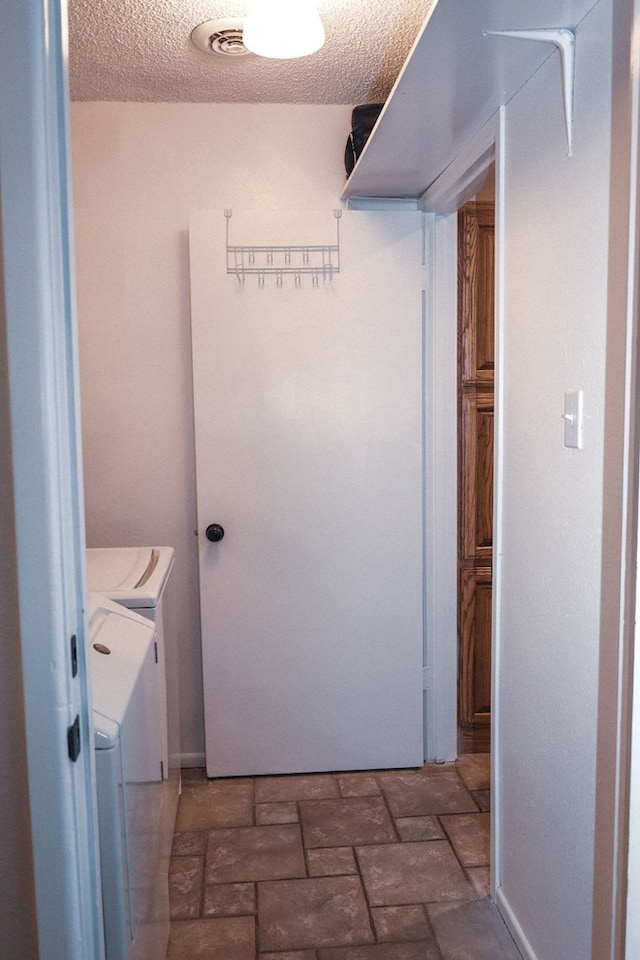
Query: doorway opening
(475,390)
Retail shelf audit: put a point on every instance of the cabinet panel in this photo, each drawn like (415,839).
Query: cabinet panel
(476,292)
(475,647)
(476,476)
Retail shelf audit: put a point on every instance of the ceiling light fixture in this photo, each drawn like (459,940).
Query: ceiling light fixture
(283,29)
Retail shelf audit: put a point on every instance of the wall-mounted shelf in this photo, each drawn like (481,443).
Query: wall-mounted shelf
(321,262)
(453,82)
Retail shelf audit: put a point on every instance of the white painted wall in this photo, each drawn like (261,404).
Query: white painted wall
(138,171)
(553,237)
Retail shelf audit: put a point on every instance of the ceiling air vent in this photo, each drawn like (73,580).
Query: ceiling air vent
(223,37)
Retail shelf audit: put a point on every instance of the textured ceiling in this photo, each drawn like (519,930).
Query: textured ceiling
(140,50)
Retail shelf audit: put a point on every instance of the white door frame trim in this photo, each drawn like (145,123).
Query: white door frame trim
(440,483)
(47,477)
(616,926)
(457,184)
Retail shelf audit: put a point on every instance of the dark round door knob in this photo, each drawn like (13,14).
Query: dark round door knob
(214,532)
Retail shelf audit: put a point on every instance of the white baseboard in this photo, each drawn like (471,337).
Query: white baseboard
(192,760)
(514,927)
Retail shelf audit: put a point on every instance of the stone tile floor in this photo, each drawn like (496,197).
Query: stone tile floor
(382,865)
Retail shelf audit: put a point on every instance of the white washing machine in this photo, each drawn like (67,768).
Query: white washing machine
(137,578)
(128,747)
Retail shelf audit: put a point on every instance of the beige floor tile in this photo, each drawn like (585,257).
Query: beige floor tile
(229,900)
(426,794)
(419,828)
(290,955)
(277,812)
(185,887)
(312,787)
(244,854)
(471,931)
(231,938)
(319,912)
(413,879)
(215,803)
(331,862)
(346,822)
(427,950)
(483,799)
(475,770)
(480,878)
(406,873)
(358,785)
(190,844)
(469,834)
(401,924)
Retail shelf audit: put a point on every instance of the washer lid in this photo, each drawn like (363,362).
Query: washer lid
(134,576)
(106,732)
(119,643)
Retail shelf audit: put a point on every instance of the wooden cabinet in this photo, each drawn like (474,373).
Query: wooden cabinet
(476,305)
(476,476)
(475,470)
(475,652)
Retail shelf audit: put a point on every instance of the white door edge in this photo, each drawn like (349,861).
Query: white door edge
(38,267)
(441,634)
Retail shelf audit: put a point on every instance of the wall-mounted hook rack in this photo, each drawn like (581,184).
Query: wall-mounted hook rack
(319,261)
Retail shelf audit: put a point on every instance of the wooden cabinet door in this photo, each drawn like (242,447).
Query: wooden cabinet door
(475,632)
(476,293)
(475,470)
(476,476)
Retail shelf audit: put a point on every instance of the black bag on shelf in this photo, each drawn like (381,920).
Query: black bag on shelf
(363,120)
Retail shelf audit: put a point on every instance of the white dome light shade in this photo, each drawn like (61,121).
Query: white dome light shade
(283,29)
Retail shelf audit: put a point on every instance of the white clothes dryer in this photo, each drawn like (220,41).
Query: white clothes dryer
(137,578)
(128,746)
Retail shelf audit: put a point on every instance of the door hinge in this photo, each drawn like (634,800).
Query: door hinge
(155,650)
(73,739)
(427,678)
(162,769)
(74,656)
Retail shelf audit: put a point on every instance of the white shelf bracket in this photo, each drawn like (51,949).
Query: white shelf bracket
(565,40)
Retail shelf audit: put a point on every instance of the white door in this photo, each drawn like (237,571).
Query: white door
(308,400)
(38,318)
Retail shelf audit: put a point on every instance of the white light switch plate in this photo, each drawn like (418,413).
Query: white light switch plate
(573,417)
